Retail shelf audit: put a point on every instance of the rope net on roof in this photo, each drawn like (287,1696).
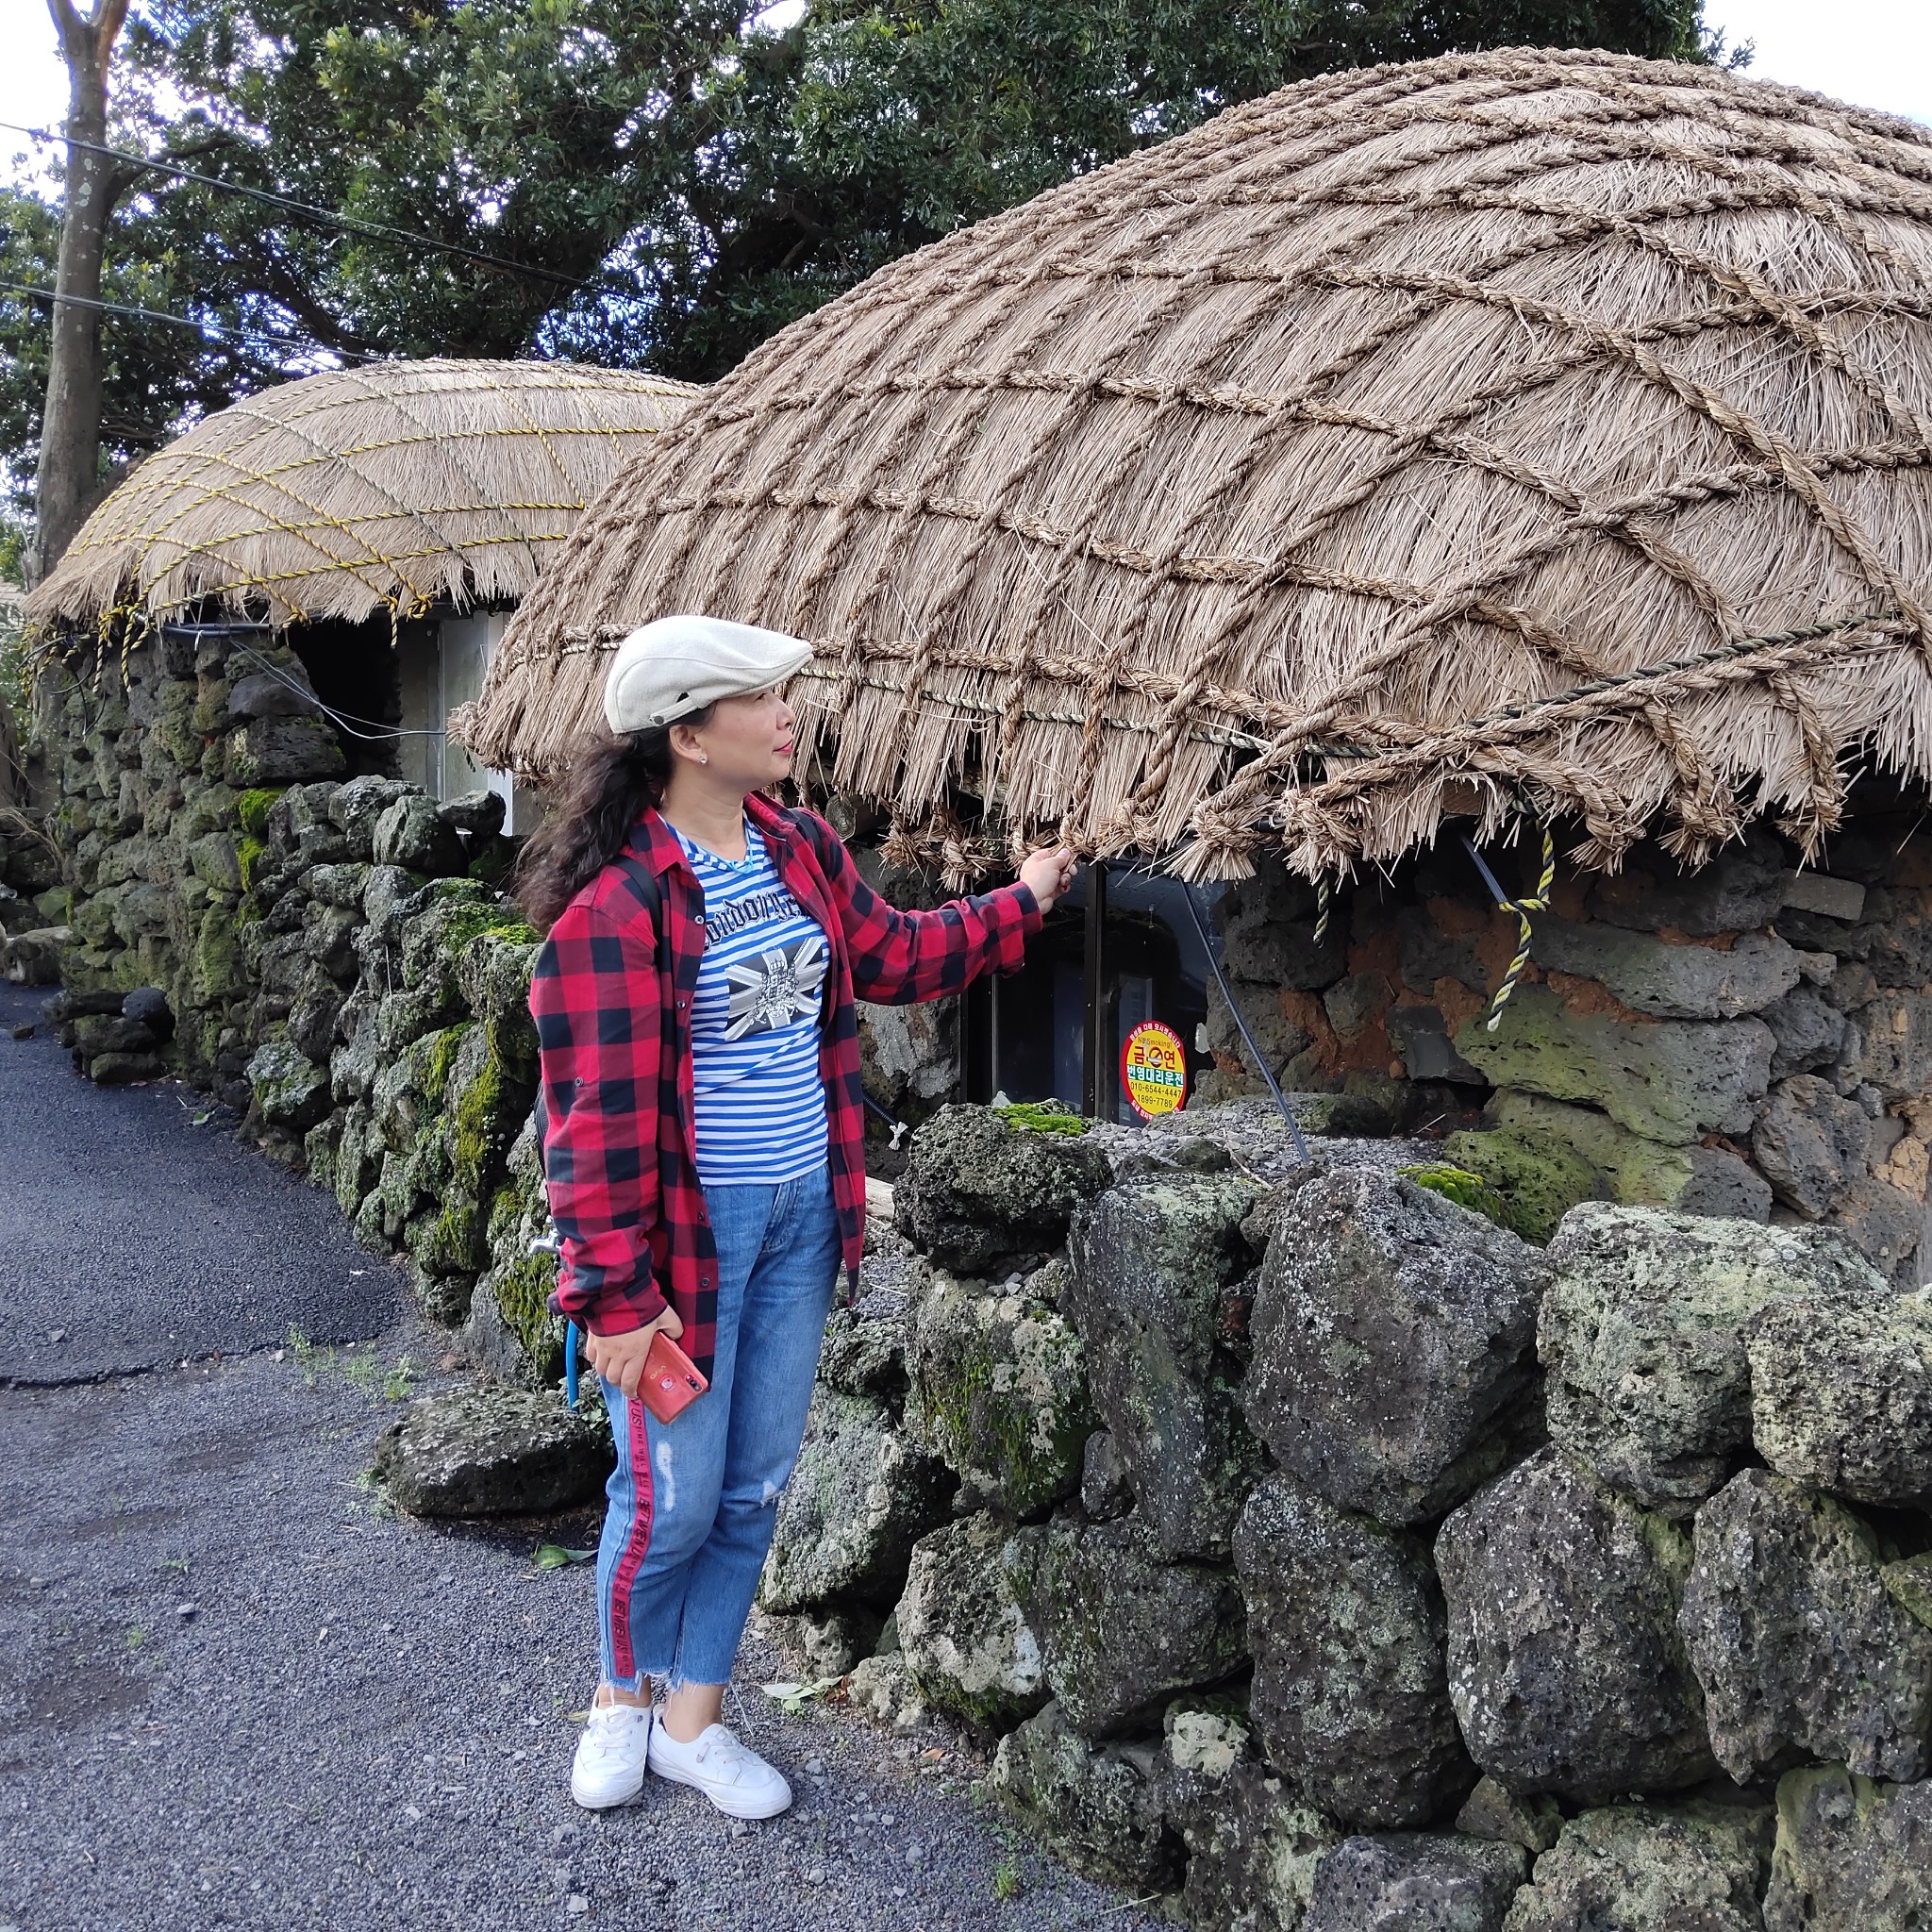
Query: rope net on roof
(396,485)
(1235,493)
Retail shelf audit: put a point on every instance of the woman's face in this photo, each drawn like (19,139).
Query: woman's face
(745,742)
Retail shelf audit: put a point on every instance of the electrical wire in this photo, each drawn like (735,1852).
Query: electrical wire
(342,721)
(322,217)
(213,331)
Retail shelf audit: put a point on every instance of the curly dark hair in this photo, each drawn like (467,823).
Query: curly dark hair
(587,822)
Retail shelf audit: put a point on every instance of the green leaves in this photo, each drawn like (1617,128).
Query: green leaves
(560,1557)
(700,177)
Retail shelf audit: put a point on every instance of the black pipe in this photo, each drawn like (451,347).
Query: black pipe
(1301,1146)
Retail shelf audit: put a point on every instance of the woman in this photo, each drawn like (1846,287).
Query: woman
(702,1146)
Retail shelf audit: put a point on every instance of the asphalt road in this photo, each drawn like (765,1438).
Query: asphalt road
(131,1236)
(238,1691)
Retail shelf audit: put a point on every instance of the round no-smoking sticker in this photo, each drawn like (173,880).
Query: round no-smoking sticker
(1153,1070)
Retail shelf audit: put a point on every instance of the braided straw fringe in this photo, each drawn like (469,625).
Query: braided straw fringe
(1407,443)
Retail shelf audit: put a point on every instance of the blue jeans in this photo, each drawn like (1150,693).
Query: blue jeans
(693,1500)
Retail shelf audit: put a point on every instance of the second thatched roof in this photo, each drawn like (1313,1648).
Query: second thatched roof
(1524,430)
(400,485)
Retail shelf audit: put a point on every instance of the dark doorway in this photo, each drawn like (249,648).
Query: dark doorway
(1027,1035)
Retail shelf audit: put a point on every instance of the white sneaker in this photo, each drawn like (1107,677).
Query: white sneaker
(732,1775)
(612,1755)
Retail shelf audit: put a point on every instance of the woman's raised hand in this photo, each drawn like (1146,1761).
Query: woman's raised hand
(620,1358)
(1049,875)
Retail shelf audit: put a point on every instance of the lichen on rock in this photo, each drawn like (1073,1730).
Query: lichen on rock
(998,1391)
(1392,1335)
(1349,1699)
(857,1498)
(1121,1629)
(1852,1855)
(1647,1868)
(1150,1260)
(1642,1336)
(963,1621)
(1802,1649)
(1096,1809)
(1566,1668)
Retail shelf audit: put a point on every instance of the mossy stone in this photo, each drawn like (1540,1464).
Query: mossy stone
(1536,1182)
(998,1392)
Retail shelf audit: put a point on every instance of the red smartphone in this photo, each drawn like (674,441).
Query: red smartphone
(670,1380)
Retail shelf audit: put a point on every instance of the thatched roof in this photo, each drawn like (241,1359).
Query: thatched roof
(1306,477)
(397,484)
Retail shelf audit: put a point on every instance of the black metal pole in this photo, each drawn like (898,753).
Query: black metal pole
(1094,1034)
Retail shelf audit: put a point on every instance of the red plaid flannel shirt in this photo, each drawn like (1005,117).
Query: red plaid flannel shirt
(617,1096)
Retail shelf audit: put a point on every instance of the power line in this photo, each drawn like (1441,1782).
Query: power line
(243,337)
(323,217)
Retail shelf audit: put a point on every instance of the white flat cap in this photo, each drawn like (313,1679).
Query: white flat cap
(676,665)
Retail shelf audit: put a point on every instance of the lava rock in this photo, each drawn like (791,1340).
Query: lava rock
(410,834)
(1492,1811)
(1123,1632)
(864,1352)
(1639,1868)
(1811,1144)
(1349,1699)
(998,1392)
(490,1451)
(1149,1263)
(1851,1856)
(478,814)
(859,1497)
(1801,1649)
(148,1006)
(963,1625)
(1105,1493)
(272,694)
(1808,1029)
(1842,1395)
(1253,1847)
(1676,982)
(1095,1808)
(1669,1080)
(1566,1668)
(354,807)
(1740,890)
(290,1090)
(33,958)
(1642,1336)
(100,1034)
(1392,1335)
(977,1192)
(125,1069)
(1415,1882)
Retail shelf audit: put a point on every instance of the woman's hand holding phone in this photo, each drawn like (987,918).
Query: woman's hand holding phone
(620,1358)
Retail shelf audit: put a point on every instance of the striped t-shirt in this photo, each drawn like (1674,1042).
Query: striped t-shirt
(755,1023)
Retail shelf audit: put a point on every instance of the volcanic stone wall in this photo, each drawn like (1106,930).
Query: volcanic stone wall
(1746,1040)
(333,957)
(1324,1556)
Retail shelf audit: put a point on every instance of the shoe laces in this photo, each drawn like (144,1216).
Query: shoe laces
(723,1748)
(607,1729)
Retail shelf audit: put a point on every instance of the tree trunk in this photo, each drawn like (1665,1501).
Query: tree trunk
(65,484)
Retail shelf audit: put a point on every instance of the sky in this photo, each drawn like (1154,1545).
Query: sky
(1874,53)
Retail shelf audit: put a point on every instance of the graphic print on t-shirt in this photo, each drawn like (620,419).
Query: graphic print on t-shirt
(755,1021)
(775,987)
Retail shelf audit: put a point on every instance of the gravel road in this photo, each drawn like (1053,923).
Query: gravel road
(237,1692)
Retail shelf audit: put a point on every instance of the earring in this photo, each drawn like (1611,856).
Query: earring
(703,759)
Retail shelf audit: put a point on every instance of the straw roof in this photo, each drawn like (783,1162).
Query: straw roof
(393,485)
(1425,440)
